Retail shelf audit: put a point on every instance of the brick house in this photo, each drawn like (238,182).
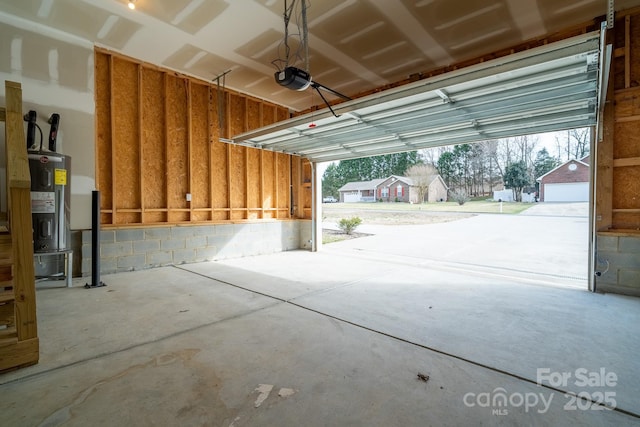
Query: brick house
(403,189)
(568,182)
(359,191)
(393,189)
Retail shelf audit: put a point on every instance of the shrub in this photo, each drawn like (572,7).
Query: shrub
(460,196)
(349,225)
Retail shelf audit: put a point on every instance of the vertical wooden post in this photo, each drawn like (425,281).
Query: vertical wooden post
(261,184)
(276,205)
(112,116)
(25,349)
(210,152)
(189,145)
(604,156)
(627,51)
(165,88)
(140,145)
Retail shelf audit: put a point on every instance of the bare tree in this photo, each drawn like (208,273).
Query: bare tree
(574,143)
(421,175)
(526,146)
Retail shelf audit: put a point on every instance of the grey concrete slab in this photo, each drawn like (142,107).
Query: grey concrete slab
(285,366)
(288,275)
(575,209)
(542,247)
(338,337)
(514,327)
(76,324)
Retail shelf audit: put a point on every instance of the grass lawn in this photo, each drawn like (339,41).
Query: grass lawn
(473,206)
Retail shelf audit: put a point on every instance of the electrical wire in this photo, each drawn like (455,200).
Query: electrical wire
(286,56)
(41,137)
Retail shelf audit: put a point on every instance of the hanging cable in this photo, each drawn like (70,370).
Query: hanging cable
(305,36)
(221,101)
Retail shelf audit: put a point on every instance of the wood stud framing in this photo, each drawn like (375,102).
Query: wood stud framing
(618,177)
(158,138)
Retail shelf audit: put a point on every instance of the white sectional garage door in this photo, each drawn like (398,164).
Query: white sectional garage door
(570,192)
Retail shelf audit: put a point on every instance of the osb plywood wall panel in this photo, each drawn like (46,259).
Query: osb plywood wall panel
(268,182)
(622,157)
(158,139)
(200,179)
(177,165)
(238,185)
(254,186)
(154,178)
(282,185)
(626,187)
(626,27)
(126,140)
(103,134)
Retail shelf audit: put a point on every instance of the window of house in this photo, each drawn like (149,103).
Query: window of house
(399,191)
(385,191)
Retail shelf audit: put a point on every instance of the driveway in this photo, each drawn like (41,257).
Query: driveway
(575,209)
(547,244)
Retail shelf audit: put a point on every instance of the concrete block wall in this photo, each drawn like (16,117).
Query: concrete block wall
(618,261)
(147,247)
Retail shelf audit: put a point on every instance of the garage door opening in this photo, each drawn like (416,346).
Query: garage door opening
(480,225)
(553,87)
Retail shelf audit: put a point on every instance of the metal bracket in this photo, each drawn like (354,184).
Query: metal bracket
(611,11)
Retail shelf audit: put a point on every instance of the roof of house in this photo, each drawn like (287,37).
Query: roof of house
(580,162)
(410,181)
(395,178)
(362,185)
(374,183)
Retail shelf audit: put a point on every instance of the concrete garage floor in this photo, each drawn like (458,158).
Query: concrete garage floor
(331,338)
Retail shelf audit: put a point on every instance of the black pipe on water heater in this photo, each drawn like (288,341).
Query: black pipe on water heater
(31,117)
(95,241)
(54,121)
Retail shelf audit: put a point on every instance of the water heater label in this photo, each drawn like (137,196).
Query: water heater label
(43,202)
(61,177)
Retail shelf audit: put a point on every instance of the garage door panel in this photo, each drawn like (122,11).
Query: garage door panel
(567,192)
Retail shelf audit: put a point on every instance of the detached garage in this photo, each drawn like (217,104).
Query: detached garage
(569,182)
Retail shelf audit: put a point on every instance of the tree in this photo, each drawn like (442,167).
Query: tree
(331,181)
(516,178)
(421,175)
(543,163)
(575,144)
(446,168)
(366,169)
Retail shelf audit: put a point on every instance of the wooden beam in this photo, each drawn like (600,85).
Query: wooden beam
(627,51)
(604,163)
(626,210)
(629,161)
(113,149)
(189,146)
(210,151)
(275,184)
(19,202)
(628,119)
(23,353)
(261,184)
(140,149)
(165,89)
(18,175)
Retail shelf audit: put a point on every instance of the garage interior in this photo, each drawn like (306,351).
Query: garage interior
(207,172)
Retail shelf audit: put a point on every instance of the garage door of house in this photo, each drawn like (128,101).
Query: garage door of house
(351,198)
(567,192)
